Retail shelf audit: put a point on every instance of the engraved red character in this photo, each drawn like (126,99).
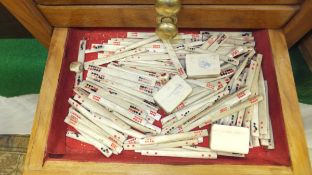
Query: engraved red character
(73,120)
(235,53)
(96,98)
(181,71)
(134,34)
(210,86)
(181,106)
(137,119)
(153,113)
(223,109)
(74,113)
(156,46)
(113,146)
(116,43)
(241,95)
(253,100)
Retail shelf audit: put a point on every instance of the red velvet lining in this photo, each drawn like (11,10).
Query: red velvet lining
(61,148)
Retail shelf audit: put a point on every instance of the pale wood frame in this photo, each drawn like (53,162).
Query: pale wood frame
(30,15)
(190,16)
(34,163)
(300,24)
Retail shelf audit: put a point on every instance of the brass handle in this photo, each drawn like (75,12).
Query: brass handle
(167,11)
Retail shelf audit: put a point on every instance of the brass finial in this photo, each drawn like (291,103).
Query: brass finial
(167,19)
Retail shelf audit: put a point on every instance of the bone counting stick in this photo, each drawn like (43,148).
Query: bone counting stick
(116,57)
(179,153)
(174,137)
(86,139)
(174,59)
(138,44)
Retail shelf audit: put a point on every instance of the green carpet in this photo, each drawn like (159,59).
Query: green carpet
(23,61)
(22,64)
(302,75)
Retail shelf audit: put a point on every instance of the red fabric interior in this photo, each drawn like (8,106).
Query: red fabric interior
(61,148)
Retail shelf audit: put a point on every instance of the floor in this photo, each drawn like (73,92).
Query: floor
(12,153)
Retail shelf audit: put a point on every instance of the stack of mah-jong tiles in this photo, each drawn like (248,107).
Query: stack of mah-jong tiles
(156,97)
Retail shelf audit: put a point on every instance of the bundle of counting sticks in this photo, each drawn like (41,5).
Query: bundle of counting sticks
(211,78)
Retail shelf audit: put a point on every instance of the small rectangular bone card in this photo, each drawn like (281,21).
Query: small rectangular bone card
(229,139)
(202,65)
(172,94)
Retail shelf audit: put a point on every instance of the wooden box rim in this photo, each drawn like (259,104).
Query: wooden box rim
(35,162)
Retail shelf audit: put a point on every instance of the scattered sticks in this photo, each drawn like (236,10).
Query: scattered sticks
(115,107)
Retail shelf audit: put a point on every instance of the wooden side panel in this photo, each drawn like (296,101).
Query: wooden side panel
(27,13)
(293,121)
(228,2)
(92,168)
(305,47)
(39,135)
(191,16)
(300,24)
(10,27)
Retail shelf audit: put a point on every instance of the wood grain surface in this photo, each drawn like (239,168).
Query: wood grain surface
(305,47)
(10,27)
(41,124)
(191,16)
(92,168)
(27,13)
(228,2)
(300,24)
(290,107)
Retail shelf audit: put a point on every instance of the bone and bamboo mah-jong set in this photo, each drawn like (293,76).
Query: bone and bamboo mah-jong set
(200,96)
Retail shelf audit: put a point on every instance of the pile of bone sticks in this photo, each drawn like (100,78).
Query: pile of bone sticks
(211,78)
